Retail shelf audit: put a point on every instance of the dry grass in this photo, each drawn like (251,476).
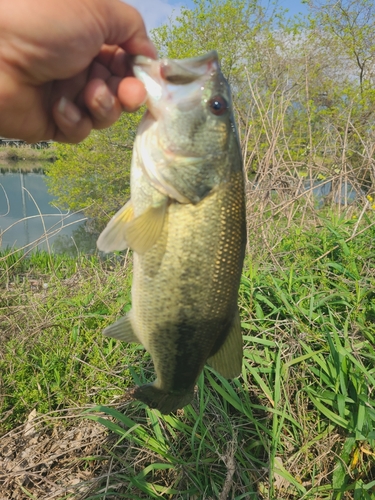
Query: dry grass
(261,436)
(51,456)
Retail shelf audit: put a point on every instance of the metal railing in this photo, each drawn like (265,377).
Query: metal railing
(5,141)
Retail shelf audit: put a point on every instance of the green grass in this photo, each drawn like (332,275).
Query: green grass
(52,352)
(298,424)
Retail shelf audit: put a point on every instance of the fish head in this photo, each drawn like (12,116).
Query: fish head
(189,106)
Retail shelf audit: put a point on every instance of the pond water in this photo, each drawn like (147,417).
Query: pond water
(345,193)
(30,220)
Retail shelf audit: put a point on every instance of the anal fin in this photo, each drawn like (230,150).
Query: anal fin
(228,359)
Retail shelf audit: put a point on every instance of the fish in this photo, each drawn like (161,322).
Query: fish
(186,224)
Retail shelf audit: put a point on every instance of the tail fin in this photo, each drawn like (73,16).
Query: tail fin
(164,401)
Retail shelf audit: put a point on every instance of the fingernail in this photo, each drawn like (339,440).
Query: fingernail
(105,99)
(69,111)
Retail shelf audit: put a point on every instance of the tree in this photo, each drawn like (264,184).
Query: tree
(94,176)
(348,26)
(298,103)
(352,22)
(240,31)
(228,26)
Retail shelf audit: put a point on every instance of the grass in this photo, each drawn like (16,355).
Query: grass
(53,299)
(298,424)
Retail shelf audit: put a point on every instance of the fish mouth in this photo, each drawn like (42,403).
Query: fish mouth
(178,72)
(170,80)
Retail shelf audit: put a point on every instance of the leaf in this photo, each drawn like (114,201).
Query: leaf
(341,469)
(328,413)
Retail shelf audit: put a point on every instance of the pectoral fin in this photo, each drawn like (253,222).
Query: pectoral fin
(122,329)
(138,233)
(113,236)
(228,359)
(142,232)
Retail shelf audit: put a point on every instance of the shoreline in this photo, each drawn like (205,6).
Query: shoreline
(27,153)
(25,159)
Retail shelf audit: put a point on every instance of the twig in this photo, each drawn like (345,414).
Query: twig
(230,463)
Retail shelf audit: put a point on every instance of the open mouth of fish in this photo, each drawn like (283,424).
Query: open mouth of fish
(169,81)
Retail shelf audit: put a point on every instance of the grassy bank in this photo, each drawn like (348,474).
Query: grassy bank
(299,423)
(25,157)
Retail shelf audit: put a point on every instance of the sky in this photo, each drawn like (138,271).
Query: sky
(156,12)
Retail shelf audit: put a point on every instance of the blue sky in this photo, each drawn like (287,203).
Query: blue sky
(156,12)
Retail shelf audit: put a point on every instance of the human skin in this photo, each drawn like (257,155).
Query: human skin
(64,66)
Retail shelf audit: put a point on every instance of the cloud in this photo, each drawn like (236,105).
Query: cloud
(155,12)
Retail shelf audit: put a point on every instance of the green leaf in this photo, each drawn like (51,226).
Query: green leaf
(328,413)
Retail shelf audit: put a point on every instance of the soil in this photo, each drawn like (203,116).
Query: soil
(51,457)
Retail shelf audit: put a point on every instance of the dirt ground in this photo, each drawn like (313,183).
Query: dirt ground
(51,457)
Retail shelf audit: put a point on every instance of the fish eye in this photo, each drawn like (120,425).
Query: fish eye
(218,105)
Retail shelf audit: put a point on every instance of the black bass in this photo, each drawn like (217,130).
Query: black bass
(186,224)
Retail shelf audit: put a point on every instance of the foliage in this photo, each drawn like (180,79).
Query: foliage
(299,105)
(53,357)
(15,156)
(94,175)
(352,23)
(300,421)
(230,27)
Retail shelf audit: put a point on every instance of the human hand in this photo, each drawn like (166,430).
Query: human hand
(64,66)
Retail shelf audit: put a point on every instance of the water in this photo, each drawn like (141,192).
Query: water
(344,194)
(28,218)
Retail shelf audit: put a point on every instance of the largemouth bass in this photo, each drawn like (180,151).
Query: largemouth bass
(185,222)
